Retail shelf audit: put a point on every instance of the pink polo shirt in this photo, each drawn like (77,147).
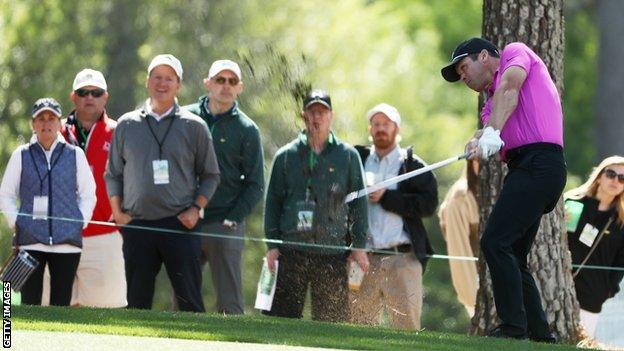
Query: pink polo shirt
(538,118)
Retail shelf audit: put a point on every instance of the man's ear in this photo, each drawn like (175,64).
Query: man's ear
(484,55)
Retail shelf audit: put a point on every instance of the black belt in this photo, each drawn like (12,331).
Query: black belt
(403,248)
(525,149)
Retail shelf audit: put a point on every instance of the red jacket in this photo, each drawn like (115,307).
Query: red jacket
(97,148)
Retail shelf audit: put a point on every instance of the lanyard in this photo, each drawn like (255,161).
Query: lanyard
(85,137)
(159,142)
(602,232)
(52,164)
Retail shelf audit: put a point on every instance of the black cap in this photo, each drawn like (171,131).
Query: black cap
(317,96)
(468,47)
(46,104)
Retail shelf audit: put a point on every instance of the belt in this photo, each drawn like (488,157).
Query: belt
(535,147)
(403,248)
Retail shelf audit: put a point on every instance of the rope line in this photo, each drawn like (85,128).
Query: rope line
(284,242)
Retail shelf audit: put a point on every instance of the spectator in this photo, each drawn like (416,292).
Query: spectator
(305,208)
(596,237)
(397,234)
(459,222)
(100,279)
(241,163)
(49,178)
(162,171)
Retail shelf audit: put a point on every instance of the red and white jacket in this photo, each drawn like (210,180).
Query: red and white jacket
(96,149)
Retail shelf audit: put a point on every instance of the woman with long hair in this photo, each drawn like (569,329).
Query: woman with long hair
(595,225)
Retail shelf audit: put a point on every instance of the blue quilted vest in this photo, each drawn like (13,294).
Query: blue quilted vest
(60,185)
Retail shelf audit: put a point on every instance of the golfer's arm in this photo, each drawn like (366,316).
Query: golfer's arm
(505,98)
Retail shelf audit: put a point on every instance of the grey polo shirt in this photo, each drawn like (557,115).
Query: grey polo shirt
(186,144)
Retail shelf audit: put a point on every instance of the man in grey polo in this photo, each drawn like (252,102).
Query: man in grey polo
(162,171)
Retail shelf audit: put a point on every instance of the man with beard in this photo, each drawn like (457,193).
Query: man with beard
(398,239)
(305,209)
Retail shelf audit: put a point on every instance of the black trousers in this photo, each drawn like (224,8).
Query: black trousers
(144,253)
(533,186)
(327,277)
(62,268)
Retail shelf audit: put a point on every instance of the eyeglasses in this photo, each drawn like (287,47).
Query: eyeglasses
(221,80)
(611,174)
(96,93)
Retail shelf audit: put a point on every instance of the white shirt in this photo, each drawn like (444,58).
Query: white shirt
(386,227)
(158,117)
(9,192)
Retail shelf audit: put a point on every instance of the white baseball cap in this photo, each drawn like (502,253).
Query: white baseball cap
(87,77)
(222,65)
(390,111)
(167,60)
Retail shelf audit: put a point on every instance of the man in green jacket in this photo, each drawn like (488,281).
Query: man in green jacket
(239,153)
(305,210)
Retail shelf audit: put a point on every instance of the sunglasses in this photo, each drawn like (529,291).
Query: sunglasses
(611,174)
(96,93)
(221,80)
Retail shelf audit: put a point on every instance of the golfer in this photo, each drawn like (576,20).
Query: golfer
(522,121)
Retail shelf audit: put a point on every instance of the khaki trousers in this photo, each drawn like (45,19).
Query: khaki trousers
(393,282)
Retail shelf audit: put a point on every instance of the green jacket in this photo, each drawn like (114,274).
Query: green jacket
(330,176)
(237,144)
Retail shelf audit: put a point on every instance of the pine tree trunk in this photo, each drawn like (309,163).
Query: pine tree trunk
(122,51)
(539,24)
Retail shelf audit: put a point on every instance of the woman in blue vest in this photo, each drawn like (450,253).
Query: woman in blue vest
(48,195)
(595,225)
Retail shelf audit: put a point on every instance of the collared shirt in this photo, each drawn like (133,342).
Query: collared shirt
(150,111)
(238,147)
(10,188)
(188,148)
(324,179)
(386,227)
(538,116)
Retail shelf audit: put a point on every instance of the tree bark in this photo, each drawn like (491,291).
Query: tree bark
(609,102)
(539,24)
(125,36)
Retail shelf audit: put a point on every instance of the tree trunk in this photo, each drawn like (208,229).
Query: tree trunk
(125,36)
(539,24)
(609,102)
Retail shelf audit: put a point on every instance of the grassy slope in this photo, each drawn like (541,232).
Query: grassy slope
(258,329)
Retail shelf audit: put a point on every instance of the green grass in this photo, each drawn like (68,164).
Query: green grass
(254,328)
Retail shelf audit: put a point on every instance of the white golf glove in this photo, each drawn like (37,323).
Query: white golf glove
(490,142)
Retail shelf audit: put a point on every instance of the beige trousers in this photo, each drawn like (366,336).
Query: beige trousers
(101,276)
(393,282)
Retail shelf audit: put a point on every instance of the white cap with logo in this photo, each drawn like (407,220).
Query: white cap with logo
(88,77)
(223,65)
(390,111)
(167,60)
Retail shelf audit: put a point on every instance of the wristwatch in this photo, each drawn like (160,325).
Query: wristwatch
(229,224)
(199,208)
